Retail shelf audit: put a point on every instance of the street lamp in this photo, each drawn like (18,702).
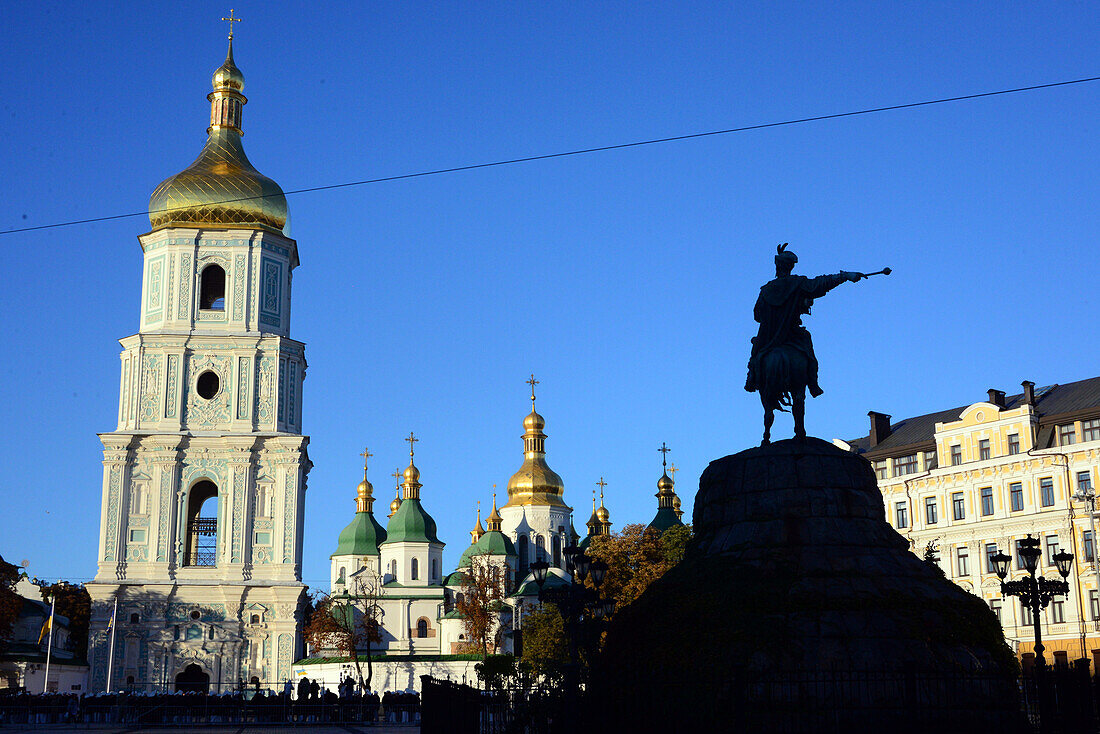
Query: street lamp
(1034,593)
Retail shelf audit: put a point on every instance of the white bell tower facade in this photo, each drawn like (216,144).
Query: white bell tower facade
(200,542)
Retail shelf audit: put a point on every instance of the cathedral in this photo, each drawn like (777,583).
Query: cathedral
(199,563)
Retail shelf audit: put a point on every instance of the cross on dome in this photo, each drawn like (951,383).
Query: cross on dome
(532,382)
(231,20)
(412,439)
(366,455)
(672,471)
(664,454)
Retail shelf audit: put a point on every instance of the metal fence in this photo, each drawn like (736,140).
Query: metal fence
(191,709)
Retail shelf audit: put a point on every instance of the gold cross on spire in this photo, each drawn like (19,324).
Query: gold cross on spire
(672,471)
(397,477)
(532,382)
(601,484)
(366,455)
(231,20)
(664,454)
(412,439)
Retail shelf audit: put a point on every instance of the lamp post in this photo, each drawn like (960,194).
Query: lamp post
(578,605)
(1087,495)
(1034,593)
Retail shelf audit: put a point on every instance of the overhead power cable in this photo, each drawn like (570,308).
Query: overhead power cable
(597,149)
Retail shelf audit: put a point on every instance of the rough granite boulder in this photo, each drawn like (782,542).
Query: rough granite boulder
(798,608)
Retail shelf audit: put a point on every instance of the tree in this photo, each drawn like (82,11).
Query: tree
(544,646)
(484,588)
(636,557)
(10,602)
(74,602)
(348,623)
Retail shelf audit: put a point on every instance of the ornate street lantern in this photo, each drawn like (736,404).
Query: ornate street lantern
(539,569)
(1028,548)
(582,562)
(1063,561)
(1000,563)
(598,569)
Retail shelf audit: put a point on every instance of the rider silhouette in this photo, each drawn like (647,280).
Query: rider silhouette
(779,310)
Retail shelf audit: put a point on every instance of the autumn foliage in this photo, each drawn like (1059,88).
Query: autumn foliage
(484,588)
(636,557)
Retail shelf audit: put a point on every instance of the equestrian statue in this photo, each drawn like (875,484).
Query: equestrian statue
(782,365)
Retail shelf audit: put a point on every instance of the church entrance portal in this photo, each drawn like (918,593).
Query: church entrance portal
(193,679)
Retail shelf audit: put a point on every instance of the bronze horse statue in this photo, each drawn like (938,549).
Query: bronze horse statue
(783,366)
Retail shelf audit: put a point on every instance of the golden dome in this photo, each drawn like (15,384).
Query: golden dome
(534,422)
(412,474)
(602,514)
(364,490)
(395,505)
(221,188)
(664,483)
(676,502)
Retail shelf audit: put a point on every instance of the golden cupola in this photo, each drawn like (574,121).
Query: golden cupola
(535,483)
(221,188)
(479,529)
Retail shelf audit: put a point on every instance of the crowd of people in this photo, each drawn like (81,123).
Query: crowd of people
(308,702)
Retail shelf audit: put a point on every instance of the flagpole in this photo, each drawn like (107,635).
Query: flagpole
(111,644)
(49,641)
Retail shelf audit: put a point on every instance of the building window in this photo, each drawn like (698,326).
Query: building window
(1025,615)
(930,462)
(137,536)
(435,569)
(1084,482)
(880,469)
(995,607)
(956,455)
(901,515)
(1046,492)
(202,525)
(990,551)
(905,465)
(1016,496)
(1057,611)
(931,514)
(983,449)
(212,288)
(1088,547)
(135,618)
(1094,604)
(1052,548)
(1090,430)
(393,569)
(254,619)
(421,628)
(958,506)
(1019,557)
(1067,436)
(414,573)
(962,560)
(987,501)
(1013,444)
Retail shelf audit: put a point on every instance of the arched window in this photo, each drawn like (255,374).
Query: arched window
(540,545)
(134,618)
(421,628)
(212,288)
(555,547)
(523,551)
(255,619)
(342,578)
(393,569)
(415,571)
(435,569)
(129,680)
(460,598)
(202,525)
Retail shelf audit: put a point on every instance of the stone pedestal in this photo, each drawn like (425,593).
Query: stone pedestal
(798,608)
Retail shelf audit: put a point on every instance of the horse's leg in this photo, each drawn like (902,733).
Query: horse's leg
(798,410)
(769,418)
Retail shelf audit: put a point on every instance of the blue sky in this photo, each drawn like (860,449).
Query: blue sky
(623,280)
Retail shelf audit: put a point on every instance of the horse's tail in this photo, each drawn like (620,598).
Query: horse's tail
(775,370)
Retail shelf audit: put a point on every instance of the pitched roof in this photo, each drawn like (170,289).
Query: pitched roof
(361,537)
(1050,401)
(411,524)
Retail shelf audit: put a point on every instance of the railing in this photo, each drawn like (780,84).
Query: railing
(191,709)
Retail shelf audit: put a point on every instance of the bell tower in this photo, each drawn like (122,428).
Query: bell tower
(204,478)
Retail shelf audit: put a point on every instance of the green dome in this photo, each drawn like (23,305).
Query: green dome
(411,524)
(361,537)
(494,543)
(665,519)
(464,559)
